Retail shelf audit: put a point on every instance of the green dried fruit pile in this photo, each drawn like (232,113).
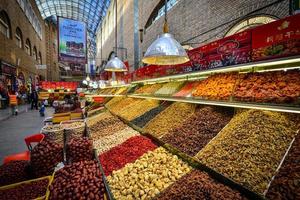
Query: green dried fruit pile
(250,148)
(148,89)
(169,88)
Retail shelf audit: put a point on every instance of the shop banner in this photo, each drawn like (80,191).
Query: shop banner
(46,85)
(280,38)
(72,41)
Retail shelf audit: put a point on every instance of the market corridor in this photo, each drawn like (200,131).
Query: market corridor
(15,129)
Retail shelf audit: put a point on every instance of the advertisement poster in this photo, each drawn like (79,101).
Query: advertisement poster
(72,40)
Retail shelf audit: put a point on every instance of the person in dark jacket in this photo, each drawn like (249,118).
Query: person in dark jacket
(34,100)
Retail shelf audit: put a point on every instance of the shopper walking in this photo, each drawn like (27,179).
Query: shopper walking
(34,100)
(13,102)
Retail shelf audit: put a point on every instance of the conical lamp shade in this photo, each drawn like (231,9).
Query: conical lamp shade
(115,65)
(165,50)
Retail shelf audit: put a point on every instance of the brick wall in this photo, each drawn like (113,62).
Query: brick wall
(188,18)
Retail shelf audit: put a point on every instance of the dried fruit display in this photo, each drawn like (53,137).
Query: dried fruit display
(107,142)
(273,87)
(147,176)
(95,119)
(169,119)
(286,184)
(199,185)
(135,110)
(24,191)
(54,132)
(148,89)
(186,90)
(216,87)
(127,152)
(74,129)
(13,172)
(198,129)
(114,101)
(79,149)
(116,108)
(121,90)
(169,88)
(81,180)
(250,148)
(142,120)
(44,157)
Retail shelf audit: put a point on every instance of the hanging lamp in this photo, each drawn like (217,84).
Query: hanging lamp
(165,50)
(115,64)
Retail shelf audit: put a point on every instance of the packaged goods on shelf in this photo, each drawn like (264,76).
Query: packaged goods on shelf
(199,185)
(186,90)
(271,87)
(147,176)
(54,133)
(79,149)
(44,157)
(169,88)
(127,152)
(114,101)
(74,128)
(116,108)
(216,87)
(149,89)
(142,120)
(169,119)
(31,189)
(286,184)
(198,129)
(135,110)
(250,148)
(13,172)
(77,180)
(107,142)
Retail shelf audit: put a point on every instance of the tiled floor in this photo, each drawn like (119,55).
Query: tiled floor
(14,129)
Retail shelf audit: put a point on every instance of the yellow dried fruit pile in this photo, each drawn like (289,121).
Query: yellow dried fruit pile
(114,101)
(169,119)
(169,88)
(147,176)
(148,89)
(250,148)
(135,110)
(118,107)
(121,90)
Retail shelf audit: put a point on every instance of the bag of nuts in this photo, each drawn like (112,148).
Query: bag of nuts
(54,133)
(74,128)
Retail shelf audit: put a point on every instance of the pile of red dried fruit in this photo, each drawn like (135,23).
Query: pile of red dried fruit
(79,149)
(13,172)
(81,180)
(127,152)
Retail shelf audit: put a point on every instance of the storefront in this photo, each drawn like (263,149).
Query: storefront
(8,74)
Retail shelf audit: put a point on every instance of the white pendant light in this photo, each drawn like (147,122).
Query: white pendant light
(115,64)
(165,50)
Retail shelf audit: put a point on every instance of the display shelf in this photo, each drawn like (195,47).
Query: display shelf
(104,95)
(115,86)
(259,106)
(260,66)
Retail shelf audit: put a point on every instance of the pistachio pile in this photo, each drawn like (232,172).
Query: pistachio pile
(107,142)
(199,185)
(199,129)
(148,89)
(286,184)
(147,176)
(169,119)
(250,148)
(142,120)
(118,107)
(169,88)
(135,110)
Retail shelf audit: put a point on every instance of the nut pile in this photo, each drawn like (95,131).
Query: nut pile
(216,87)
(199,185)
(274,87)
(127,152)
(74,129)
(107,142)
(30,190)
(169,88)
(135,110)
(95,119)
(198,130)
(142,120)
(170,118)
(13,172)
(186,90)
(81,180)
(113,101)
(79,149)
(54,132)
(147,176)
(250,148)
(286,184)
(148,89)
(44,157)
(116,108)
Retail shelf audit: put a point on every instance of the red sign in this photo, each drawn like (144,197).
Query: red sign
(277,39)
(46,85)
